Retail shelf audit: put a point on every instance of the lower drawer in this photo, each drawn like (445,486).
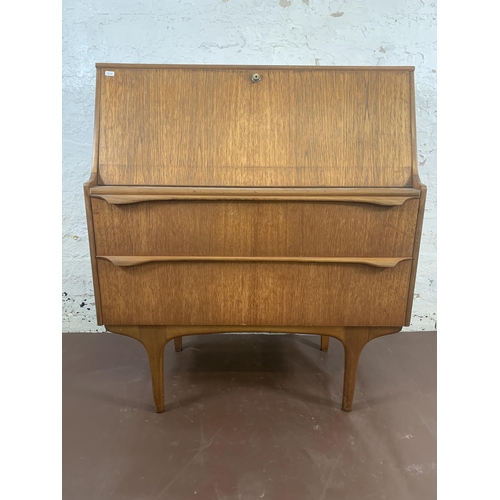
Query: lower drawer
(253,293)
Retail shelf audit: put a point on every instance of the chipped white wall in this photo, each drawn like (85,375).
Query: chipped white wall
(341,32)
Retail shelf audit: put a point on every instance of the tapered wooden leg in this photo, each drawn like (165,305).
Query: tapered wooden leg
(155,355)
(156,350)
(154,339)
(178,344)
(325,340)
(354,340)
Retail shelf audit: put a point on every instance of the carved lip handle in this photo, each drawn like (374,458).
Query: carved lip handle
(134,260)
(124,199)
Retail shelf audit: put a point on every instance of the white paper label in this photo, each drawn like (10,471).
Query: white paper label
(109,73)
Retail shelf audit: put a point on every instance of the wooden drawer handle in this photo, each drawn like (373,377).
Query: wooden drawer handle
(127,261)
(127,199)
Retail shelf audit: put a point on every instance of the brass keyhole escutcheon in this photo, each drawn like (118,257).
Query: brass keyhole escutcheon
(256,78)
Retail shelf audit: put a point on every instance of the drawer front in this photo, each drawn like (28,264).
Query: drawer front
(244,293)
(245,228)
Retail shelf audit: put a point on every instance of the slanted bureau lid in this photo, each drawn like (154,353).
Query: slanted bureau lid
(254,126)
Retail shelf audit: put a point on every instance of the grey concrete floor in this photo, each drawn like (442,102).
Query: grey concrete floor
(249,417)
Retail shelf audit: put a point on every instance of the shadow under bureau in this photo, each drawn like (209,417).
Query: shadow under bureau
(254,199)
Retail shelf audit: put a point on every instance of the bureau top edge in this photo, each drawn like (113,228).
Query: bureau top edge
(250,66)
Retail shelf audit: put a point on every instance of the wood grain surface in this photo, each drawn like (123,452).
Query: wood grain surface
(253,293)
(218,204)
(207,127)
(229,228)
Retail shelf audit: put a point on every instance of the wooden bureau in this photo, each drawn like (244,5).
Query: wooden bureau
(246,199)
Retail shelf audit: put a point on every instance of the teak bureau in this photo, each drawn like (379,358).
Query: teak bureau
(247,199)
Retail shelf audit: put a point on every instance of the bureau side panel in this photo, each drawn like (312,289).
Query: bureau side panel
(214,127)
(233,293)
(265,229)
(416,252)
(93,181)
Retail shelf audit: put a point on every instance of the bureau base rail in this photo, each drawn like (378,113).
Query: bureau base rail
(155,338)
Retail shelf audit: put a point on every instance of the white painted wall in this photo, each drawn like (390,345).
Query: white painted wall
(341,32)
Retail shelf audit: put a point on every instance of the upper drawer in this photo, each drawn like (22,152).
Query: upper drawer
(206,126)
(249,228)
